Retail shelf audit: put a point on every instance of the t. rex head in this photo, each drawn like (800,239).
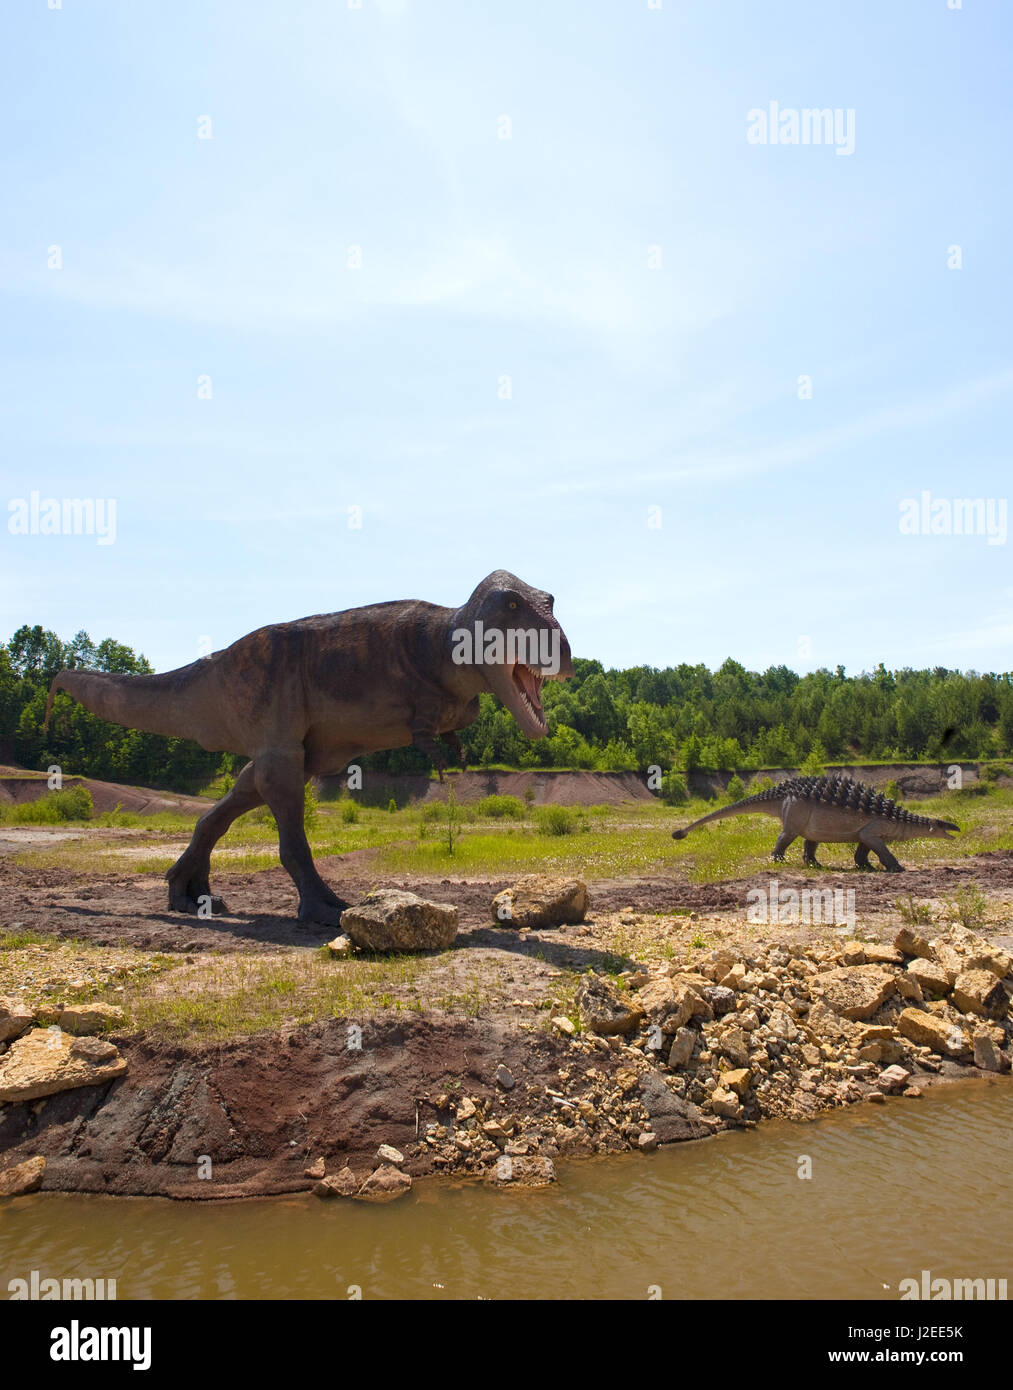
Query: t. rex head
(506,631)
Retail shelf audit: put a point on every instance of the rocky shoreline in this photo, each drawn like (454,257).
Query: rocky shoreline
(660,1053)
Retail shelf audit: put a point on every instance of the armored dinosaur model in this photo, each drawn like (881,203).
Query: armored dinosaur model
(834,810)
(308,697)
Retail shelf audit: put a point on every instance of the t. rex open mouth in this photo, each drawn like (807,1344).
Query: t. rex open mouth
(528,682)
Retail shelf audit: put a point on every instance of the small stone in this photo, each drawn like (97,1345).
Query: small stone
(23,1178)
(316,1170)
(82,1019)
(720,997)
(504,1078)
(913,1092)
(910,943)
(466,1109)
(737,1080)
(387,1153)
(15,1019)
(564,1025)
(340,947)
(876,954)
(893,1079)
(647,1142)
(877,1097)
(725,1103)
(682,1047)
(931,976)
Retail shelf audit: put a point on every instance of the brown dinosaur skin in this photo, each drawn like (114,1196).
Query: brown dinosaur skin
(834,810)
(308,697)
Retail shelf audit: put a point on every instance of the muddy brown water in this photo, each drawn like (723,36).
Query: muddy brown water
(895,1189)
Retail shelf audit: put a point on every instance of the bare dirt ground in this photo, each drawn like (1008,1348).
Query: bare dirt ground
(264,1105)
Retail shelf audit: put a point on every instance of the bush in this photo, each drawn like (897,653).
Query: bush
(73,803)
(310,805)
(555,820)
(892,790)
(736,788)
(350,813)
(501,807)
(673,788)
(969,905)
(392,805)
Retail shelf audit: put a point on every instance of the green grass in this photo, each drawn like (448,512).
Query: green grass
(599,841)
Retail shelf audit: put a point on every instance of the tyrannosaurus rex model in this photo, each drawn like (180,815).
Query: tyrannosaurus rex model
(308,697)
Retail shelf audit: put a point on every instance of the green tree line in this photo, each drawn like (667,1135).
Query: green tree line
(684,717)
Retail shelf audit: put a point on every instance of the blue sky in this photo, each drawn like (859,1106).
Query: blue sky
(632,385)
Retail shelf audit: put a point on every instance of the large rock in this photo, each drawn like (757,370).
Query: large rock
(47,1060)
(15,1019)
(23,1177)
(932,977)
(979,992)
(538,900)
(532,1170)
(672,1118)
(986,1055)
(383,1185)
(606,1009)
(343,1184)
(682,1047)
(856,991)
(929,1030)
(389,919)
(85,1019)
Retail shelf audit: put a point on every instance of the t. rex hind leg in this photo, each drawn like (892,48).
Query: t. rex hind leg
(188,877)
(280,778)
(783,841)
(809,849)
(862,858)
(879,849)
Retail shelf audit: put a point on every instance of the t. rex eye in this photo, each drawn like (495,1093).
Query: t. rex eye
(512,604)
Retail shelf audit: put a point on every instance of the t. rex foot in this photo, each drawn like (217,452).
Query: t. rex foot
(198,906)
(812,864)
(777,858)
(194,897)
(321,912)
